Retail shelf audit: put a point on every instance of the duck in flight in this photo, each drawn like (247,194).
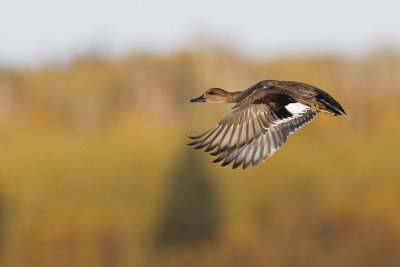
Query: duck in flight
(262,119)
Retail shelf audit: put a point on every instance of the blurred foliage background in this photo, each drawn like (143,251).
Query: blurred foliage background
(95,171)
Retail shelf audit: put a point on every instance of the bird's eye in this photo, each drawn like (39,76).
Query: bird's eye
(211,93)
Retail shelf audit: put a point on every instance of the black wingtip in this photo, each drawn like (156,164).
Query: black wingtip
(235,165)
(209,148)
(192,137)
(329,104)
(192,143)
(217,160)
(246,165)
(225,163)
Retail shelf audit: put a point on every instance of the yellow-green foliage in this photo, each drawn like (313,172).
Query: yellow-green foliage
(91,153)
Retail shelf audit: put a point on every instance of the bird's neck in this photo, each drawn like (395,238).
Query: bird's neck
(236,97)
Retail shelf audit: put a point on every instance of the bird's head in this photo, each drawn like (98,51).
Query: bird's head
(214,95)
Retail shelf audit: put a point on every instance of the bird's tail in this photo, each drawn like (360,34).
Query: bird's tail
(327,104)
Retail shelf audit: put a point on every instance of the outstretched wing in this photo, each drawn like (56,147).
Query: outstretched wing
(256,127)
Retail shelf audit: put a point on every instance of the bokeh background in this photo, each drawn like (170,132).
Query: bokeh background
(94,108)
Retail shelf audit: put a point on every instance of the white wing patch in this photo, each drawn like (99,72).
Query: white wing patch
(296,108)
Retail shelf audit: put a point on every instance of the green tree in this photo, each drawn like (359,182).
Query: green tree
(191,214)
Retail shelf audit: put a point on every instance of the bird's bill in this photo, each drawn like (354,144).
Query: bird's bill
(199,99)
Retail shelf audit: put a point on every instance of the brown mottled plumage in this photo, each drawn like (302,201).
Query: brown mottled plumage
(264,116)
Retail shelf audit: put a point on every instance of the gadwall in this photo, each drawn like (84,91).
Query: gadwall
(264,116)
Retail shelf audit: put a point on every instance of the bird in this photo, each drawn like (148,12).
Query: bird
(264,116)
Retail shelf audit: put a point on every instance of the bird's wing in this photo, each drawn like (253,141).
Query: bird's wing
(256,127)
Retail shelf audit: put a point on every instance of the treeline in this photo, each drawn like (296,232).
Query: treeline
(93,91)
